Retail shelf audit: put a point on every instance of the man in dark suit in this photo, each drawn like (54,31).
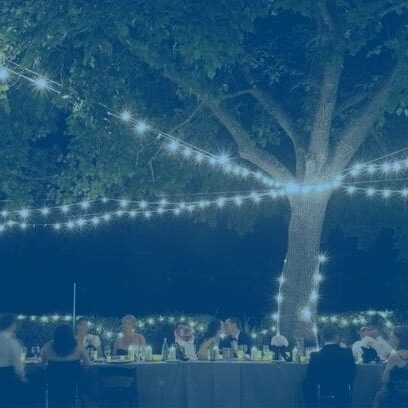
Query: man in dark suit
(330,374)
(234,336)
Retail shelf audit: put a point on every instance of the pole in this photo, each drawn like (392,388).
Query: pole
(74,307)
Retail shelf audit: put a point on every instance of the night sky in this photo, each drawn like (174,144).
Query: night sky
(169,265)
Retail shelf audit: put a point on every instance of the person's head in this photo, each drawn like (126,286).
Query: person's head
(64,342)
(232,326)
(128,324)
(214,329)
(82,326)
(364,332)
(8,322)
(374,331)
(330,334)
(399,337)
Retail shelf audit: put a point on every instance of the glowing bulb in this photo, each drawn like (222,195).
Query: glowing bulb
(4,213)
(203,204)
(2,228)
(386,194)
(396,167)
(223,159)
(124,203)
(104,200)
(220,202)
(356,169)
(322,258)
(70,225)
(141,127)
(187,151)
(199,157)
(279,298)
(57,226)
(404,192)
(238,200)
(317,277)
(177,211)
(84,205)
(106,217)
(45,211)
(147,214)
(143,204)
(4,73)
(119,213)
(163,202)
(281,280)
(173,146)
(370,191)
(386,168)
(370,169)
(132,213)
(125,116)
(24,213)
(41,83)
(64,209)
(351,190)
(255,197)
(23,225)
(314,296)
(245,173)
(306,314)
(95,220)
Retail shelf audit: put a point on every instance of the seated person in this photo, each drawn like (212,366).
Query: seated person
(212,338)
(234,335)
(128,337)
(330,373)
(12,372)
(89,341)
(398,359)
(64,347)
(381,346)
(365,347)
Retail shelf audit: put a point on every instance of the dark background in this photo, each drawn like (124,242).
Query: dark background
(168,265)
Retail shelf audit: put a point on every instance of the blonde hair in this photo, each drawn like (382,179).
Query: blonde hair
(130,318)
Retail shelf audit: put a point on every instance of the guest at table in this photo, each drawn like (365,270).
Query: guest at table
(365,347)
(12,373)
(64,347)
(234,336)
(62,357)
(398,359)
(330,373)
(381,346)
(91,342)
(212,338)
(128,337)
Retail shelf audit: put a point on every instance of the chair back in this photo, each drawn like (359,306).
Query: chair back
(62,382)
(399,382)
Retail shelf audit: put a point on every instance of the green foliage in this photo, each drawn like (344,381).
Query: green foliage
(134,53)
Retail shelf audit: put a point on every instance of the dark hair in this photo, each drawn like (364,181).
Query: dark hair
(329,333)
(401,333)
(235,321)
(213,327)
(6,321)
(64,342)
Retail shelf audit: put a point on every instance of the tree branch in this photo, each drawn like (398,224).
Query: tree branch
(350,102)
(189,119)
(273,107)
(246,148)
(393,8)
(358,129)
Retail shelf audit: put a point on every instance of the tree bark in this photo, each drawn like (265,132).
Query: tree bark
(305,229)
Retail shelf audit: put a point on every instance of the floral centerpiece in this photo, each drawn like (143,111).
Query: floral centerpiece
(280,347)
(184,337)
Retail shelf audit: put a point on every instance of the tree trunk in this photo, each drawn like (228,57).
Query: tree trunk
(305,229)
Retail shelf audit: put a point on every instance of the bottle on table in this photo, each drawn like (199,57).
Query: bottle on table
(165,350)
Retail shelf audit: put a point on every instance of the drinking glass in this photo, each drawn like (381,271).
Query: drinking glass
(107,352)
(23,354)
(35,351)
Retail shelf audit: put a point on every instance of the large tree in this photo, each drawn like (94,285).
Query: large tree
(295,88)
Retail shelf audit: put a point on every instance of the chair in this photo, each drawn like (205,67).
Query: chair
(62,379)
(334,395)
(398,386)
(117,387)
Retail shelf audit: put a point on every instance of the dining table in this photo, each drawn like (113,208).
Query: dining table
(204,384)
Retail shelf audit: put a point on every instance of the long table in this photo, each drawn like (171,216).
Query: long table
(225,384)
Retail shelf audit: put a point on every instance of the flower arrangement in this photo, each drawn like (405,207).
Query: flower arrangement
(279,341)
